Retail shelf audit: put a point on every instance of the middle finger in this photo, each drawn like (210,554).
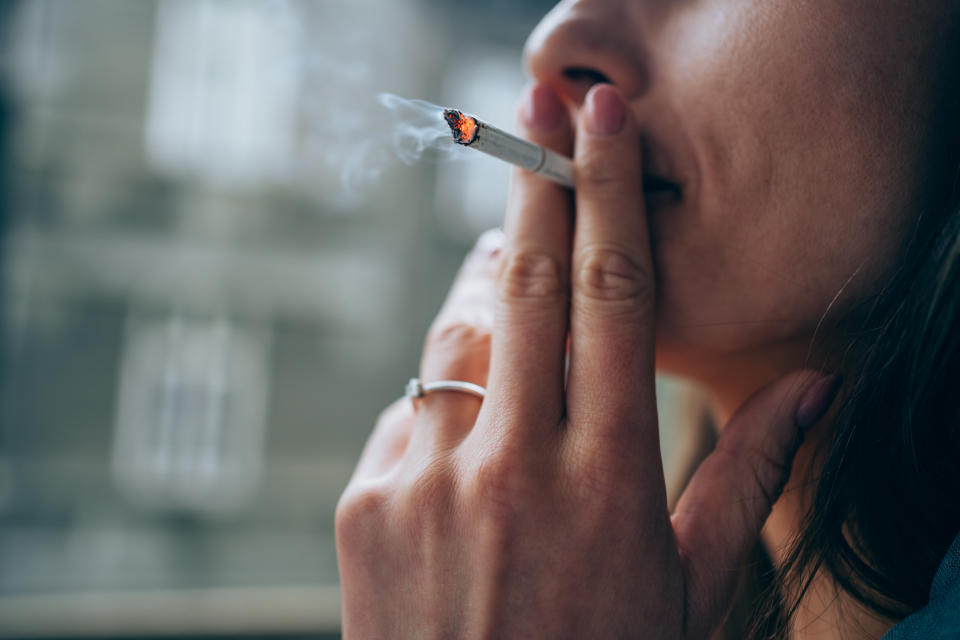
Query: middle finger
(610,390)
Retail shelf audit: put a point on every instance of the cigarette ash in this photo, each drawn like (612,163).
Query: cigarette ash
(464,128)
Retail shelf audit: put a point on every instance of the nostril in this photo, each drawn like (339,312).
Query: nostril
(578,81)
(583,75)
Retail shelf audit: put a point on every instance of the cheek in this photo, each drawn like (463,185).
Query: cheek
(799,197)
(742,278)
(722,292)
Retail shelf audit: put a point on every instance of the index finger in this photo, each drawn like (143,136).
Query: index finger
(530,322)
(610,388)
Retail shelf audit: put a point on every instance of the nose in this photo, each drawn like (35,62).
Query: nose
(584,42)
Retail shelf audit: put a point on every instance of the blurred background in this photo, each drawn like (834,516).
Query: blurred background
(214,277)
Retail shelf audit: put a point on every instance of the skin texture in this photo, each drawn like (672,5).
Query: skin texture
(806,139)
(798,135)
(544,514)
(799,132)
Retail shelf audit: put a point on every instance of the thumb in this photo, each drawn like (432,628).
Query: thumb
(721,513)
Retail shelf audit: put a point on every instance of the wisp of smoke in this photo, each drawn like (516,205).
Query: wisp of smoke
(412,131)
(419,131)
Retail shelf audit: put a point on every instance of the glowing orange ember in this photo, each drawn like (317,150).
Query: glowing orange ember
(464,128)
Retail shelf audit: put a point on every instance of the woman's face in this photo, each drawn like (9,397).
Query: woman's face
(799,137)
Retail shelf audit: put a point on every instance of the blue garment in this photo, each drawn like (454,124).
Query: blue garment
(940,619)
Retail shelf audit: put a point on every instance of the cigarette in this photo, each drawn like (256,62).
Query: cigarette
(477,134)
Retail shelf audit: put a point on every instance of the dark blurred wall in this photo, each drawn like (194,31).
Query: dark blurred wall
(142,289)
(7,9)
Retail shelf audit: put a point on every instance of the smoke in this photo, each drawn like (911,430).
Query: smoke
(419,130)
(347,136)
(363,145)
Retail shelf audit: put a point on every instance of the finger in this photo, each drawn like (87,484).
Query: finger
(530,322)
(471,298)
(387,443)
(721,513)
(458,346)
(610,389)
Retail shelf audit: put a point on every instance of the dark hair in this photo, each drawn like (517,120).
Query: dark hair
(885,486)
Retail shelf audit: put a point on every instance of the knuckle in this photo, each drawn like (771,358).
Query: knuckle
(462,336)
(532,275)
(494,475)
(358,515)
(609,274)
(496,488)
(770,472)
(429,498)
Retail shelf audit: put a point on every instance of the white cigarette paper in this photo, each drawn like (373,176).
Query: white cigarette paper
(477,134)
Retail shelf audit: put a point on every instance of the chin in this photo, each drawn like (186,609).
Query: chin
(688,346)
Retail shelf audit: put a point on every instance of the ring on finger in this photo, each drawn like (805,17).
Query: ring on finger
(417,389)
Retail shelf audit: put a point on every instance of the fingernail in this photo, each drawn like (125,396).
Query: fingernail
(489,243)
(816,401)
(542,109)
(605,110)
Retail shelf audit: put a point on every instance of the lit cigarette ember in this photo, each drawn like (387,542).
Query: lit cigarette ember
(477,134)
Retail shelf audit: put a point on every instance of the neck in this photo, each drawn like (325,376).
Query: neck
(825,613)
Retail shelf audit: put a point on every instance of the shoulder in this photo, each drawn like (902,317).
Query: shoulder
(940,618)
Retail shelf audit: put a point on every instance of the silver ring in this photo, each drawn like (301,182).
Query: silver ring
(417,389)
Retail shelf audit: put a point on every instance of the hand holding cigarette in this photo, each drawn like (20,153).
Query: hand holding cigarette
(541,512)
